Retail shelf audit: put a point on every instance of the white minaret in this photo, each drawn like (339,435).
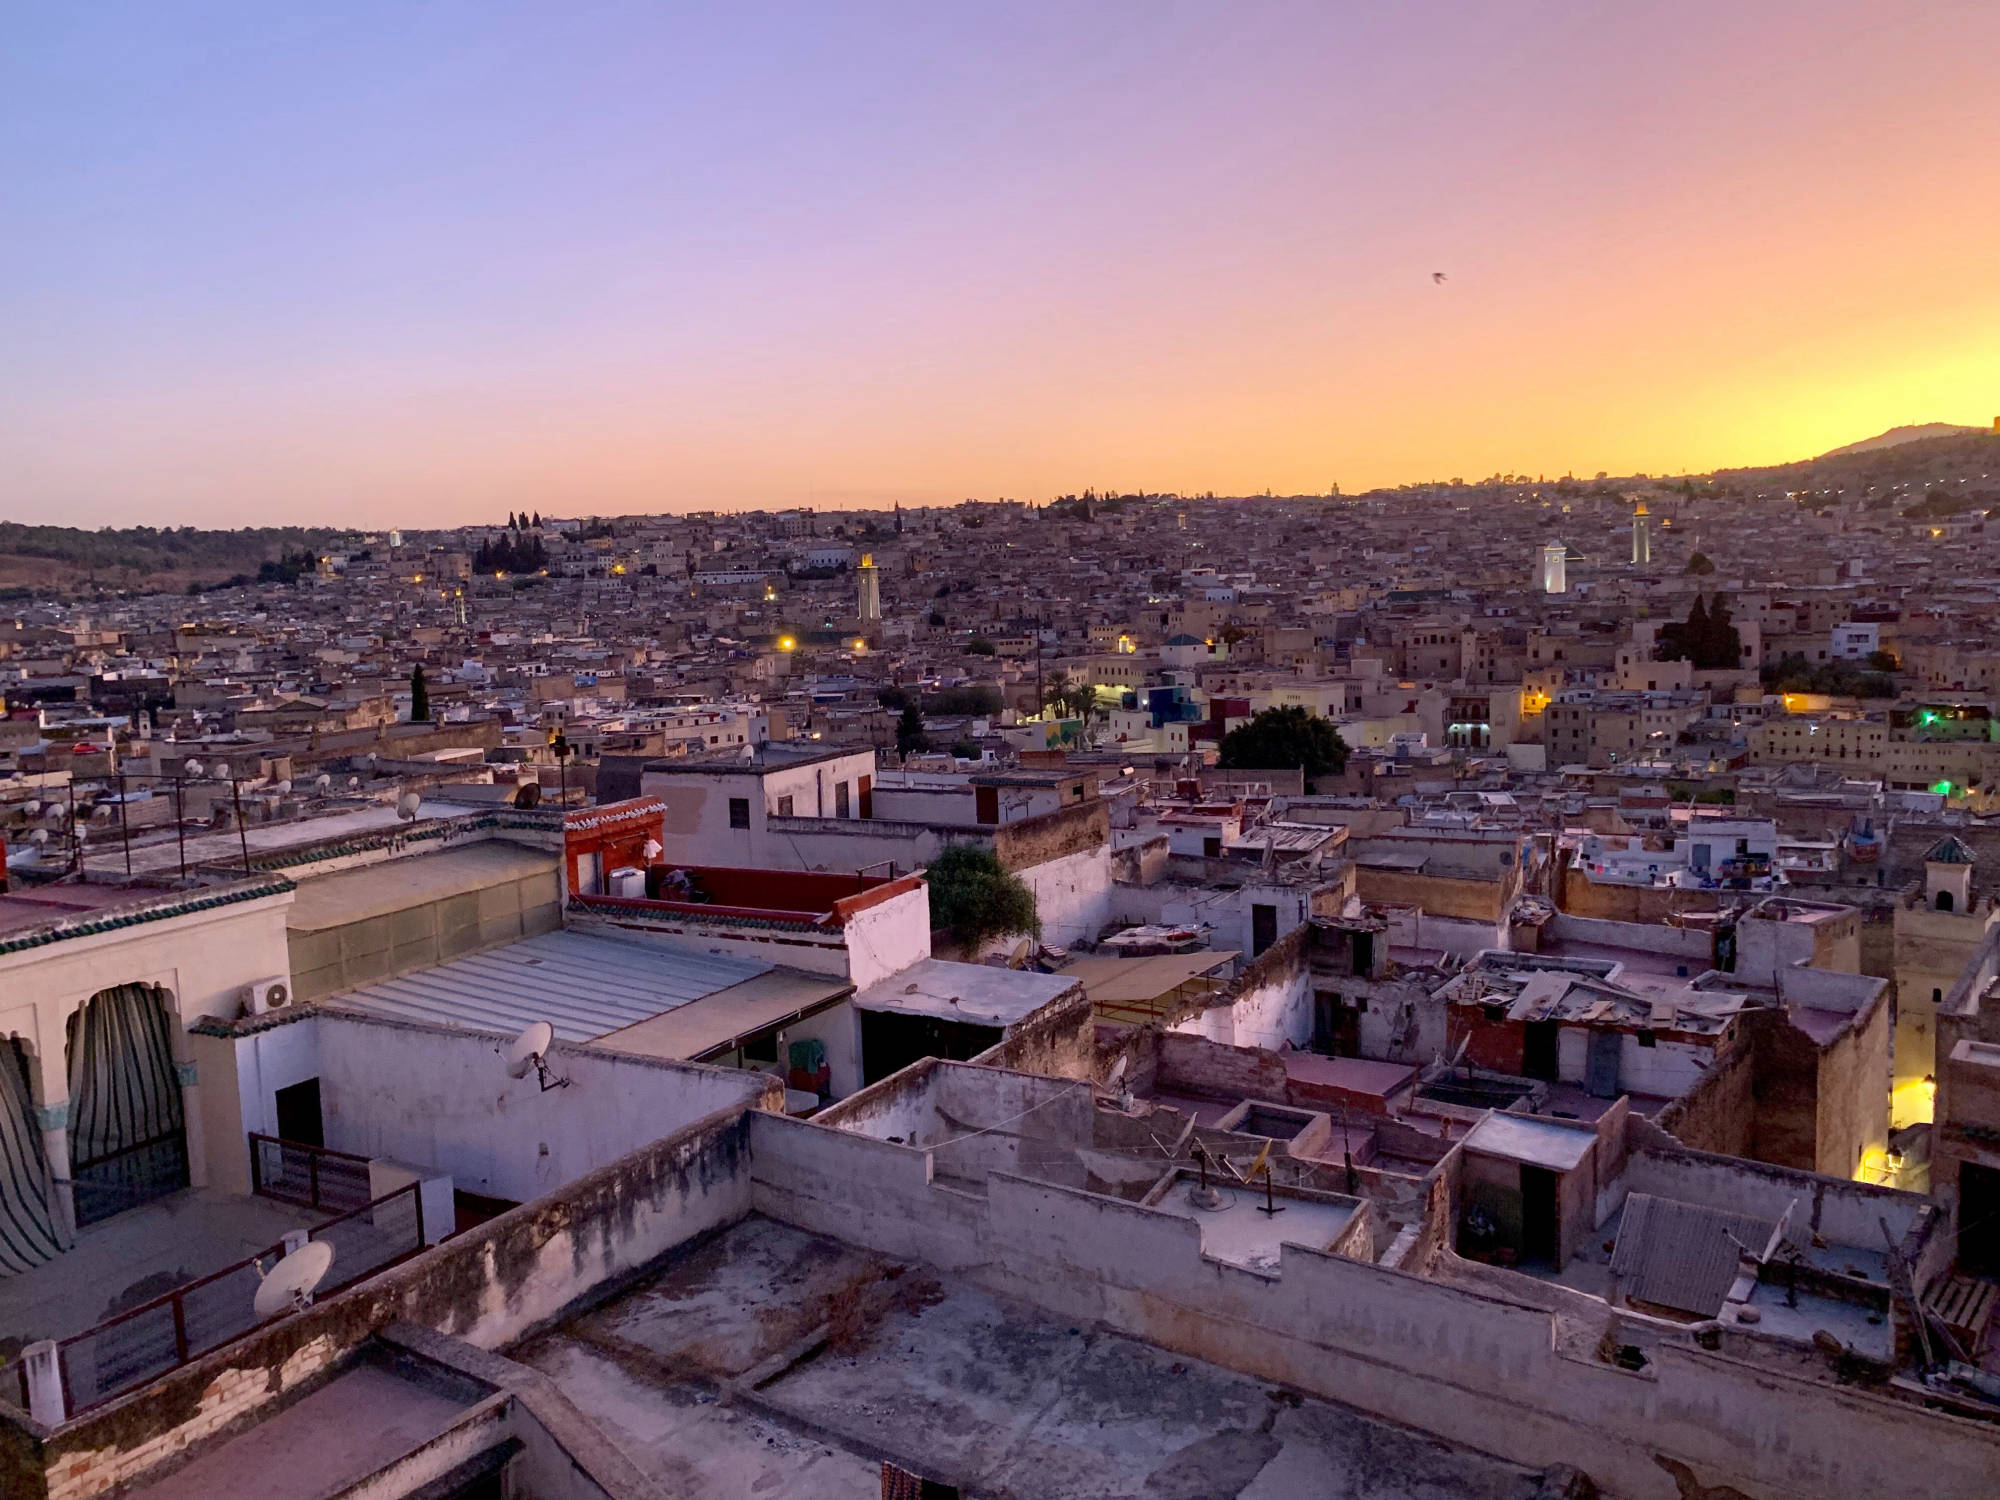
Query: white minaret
(1642,537)
(1555,568)
(868,590)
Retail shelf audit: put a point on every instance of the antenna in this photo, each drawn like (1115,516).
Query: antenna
(529,1053)
(288,1286)
(322,783)
(407,805)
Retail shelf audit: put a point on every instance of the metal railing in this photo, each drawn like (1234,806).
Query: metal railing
(150,1340)
(309,1176)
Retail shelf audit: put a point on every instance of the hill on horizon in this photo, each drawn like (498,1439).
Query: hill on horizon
(1897,436)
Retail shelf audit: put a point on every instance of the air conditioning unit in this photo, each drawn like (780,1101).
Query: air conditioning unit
(270,994)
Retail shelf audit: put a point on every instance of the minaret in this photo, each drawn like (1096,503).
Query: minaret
(1642,537)
(868,590)
(1555,568)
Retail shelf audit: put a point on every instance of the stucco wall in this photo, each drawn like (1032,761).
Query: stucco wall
(440,1098)
(1469,1367)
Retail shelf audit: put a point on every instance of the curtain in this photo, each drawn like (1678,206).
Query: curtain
(126,1143)
(30,1232)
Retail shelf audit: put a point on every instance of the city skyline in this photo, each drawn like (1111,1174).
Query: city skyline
(422,267)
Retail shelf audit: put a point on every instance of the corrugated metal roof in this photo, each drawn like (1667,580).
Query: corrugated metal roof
(1683,1255)
(581,985)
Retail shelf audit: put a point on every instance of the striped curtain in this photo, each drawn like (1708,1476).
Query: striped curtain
(30,1231)
(126,1142)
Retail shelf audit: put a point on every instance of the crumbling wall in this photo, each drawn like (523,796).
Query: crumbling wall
(1195,1065)
(1719,1113)
(1473,1368)
(492,1285)
(1057,1041)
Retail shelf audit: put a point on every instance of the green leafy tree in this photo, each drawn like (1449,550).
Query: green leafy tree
(979,646)
(1281,739)
(910,737)
(420,695)
(975,898)
(1700,564)
(893,698)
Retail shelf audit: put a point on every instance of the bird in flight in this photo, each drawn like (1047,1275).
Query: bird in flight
(1438,277)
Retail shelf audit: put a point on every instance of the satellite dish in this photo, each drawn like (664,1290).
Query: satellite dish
(31,807)
(653,850)
(284,786)
(354,783)
(1116,1076)
(192,769)
(407,805)
(288,1286)
(39,837)
(323,783)
(529,1053)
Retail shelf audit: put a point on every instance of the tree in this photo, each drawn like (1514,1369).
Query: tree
(1281,739)
(935,620)
(979,646)
(965,749)
(1706,638)
(420,695)
(1882,661)
(1700,564)
(910,739)
(975,898)
(893,698)
(538,521)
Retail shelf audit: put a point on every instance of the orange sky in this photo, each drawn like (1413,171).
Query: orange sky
(385,268)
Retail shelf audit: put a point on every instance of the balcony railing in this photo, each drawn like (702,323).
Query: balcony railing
(145,1342)
(309,1176)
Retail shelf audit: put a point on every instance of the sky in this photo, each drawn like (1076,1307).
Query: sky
(421,263)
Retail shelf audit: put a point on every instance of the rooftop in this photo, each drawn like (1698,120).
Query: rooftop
(772,1361)
(583,985)
(973,993)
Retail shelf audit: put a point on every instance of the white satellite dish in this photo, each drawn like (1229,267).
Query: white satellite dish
(653,850)
(288,1286)
(191,769)
(39,837)
(284,786)
(354,783)
(408,805)
(529,1053)
(323,783)
(31,807)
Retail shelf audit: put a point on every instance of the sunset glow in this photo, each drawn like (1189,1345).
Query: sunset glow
(416,264)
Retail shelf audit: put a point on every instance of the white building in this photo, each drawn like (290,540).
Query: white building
(1555,568)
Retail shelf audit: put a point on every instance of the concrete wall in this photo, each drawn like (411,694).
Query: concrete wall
(1470,1367)
(1692,944)
(1268,1004)
(1072,894)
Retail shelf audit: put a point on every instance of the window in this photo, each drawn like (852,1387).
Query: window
(1648,1038)
(739,812)
(784,807)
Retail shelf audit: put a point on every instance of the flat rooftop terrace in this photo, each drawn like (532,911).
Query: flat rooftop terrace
(769,1361)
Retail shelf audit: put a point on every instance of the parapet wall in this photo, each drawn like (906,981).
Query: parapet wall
(1514,1380)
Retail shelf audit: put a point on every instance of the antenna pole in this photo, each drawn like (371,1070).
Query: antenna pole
(242,833)
(124,829)
(75,838)
(180,824)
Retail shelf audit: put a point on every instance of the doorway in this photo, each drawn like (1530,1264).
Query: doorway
(299,1119)
(128,1140)
(1539,1051)
(1978,1220)
(1541,1217)
(1263,927)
